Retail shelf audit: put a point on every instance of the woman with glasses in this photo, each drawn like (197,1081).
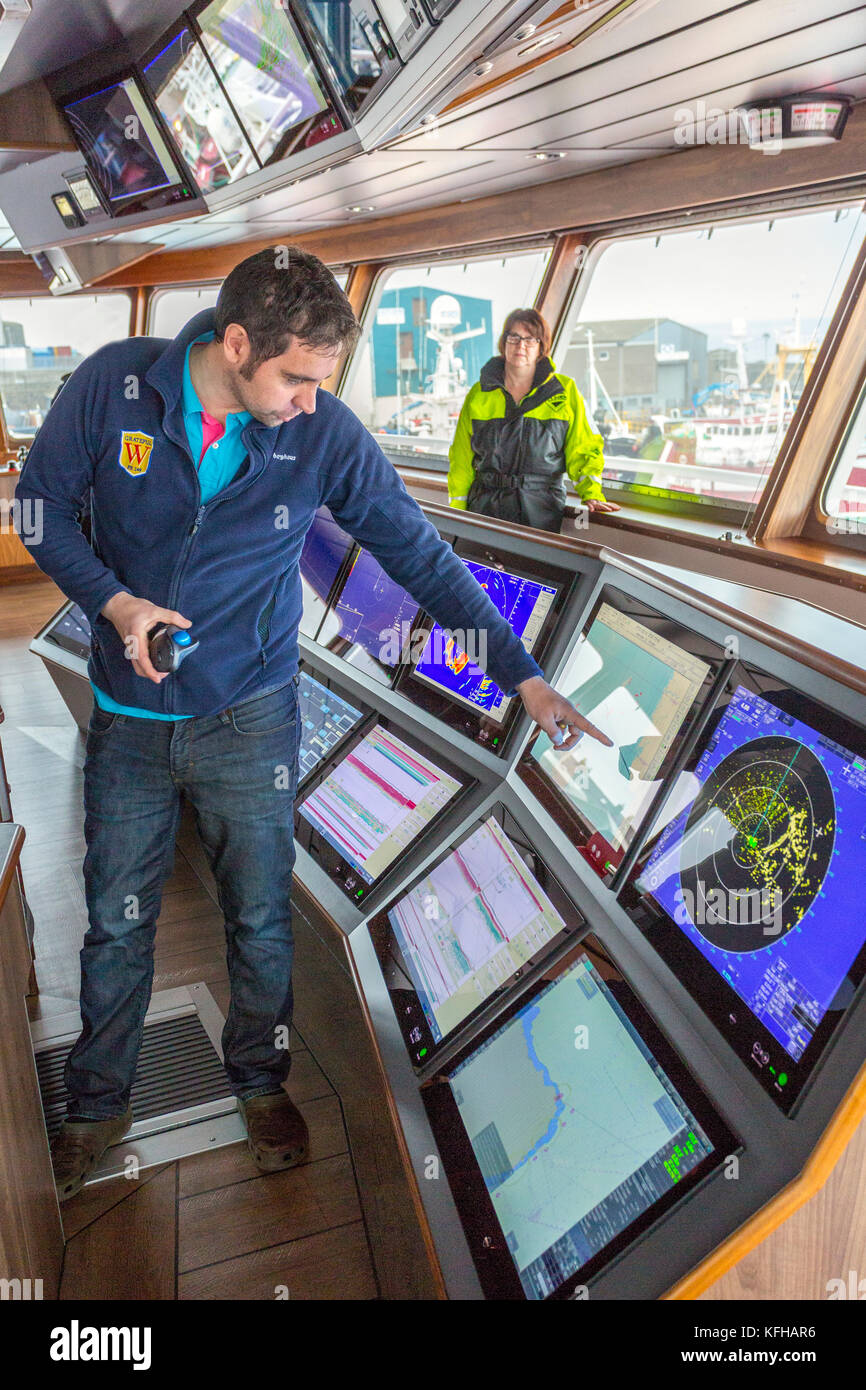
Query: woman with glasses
(522,427)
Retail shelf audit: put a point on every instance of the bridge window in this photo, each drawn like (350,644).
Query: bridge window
(43,341)
(428,331)
(722,331)
(170,309)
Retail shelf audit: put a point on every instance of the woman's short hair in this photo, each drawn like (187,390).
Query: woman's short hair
(533,320)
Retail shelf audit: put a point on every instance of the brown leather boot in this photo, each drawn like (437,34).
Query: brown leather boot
(277,1134)
(77,1148)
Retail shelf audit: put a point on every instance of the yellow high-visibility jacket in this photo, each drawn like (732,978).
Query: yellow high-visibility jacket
(508,458)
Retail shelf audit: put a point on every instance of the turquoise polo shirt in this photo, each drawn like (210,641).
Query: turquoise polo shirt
(217,467)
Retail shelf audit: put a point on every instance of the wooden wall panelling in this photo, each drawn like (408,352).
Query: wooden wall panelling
(820,418)
(358,287)
(29,120)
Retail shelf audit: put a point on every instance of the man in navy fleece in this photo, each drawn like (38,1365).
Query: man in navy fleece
(203,460)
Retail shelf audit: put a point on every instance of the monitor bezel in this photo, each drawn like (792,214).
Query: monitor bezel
(718,1000)
(496,1271)
(404,998)
(494,735)
(578,828)
(327,599)
(329,859)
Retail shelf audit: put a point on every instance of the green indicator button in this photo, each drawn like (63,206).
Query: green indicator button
(423,1052)
(783,1077)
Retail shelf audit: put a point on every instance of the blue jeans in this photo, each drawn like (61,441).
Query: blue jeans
(239,771)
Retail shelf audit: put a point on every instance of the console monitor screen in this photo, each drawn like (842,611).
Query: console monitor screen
(468,927)
(639,687)
(374,803)
(123,145)
(325,548)
(326,719)
(748,888)
(71,631)
(574,1126)
(374,613)
(525,603)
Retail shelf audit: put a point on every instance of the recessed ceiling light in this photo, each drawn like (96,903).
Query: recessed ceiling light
(540,43)
(481,68)
(524,32)
(430,118)
(545,156)
(360,207)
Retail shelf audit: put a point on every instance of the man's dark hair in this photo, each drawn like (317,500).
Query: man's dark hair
(283,292)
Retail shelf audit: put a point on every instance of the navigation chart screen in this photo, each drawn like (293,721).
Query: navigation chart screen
(374,611)
(376,801)
(578,1131)
(470,924)
(638,688)
(524,603)
(326,720)
(760,869)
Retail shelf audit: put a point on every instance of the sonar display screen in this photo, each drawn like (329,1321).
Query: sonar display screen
(471,924)
(326,719)
(760,869)
(578,1130)
(377,800)
(374,611)
(524,603)
(637,687)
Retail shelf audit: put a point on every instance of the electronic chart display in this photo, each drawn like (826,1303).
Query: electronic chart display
(373,803)
(480,917)
(326,546)
(71,631)
(568,1130)
(326,720)
(750,888)
(640,679)
(449,680)
(375,617)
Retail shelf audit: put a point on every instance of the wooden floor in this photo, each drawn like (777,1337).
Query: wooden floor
(210,1226)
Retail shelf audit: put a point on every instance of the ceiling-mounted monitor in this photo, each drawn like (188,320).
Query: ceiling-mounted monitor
(750,880)
(125,149)
(268,74)
(352,46)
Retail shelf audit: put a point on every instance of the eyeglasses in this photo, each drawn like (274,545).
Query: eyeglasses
(515,338)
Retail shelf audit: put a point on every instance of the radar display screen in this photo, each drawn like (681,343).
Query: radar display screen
(71,631)
(326,719)
(326,546)
(371,806)
(748,887)
(638,685)
(569,1130)
(523,603)
(473,922)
